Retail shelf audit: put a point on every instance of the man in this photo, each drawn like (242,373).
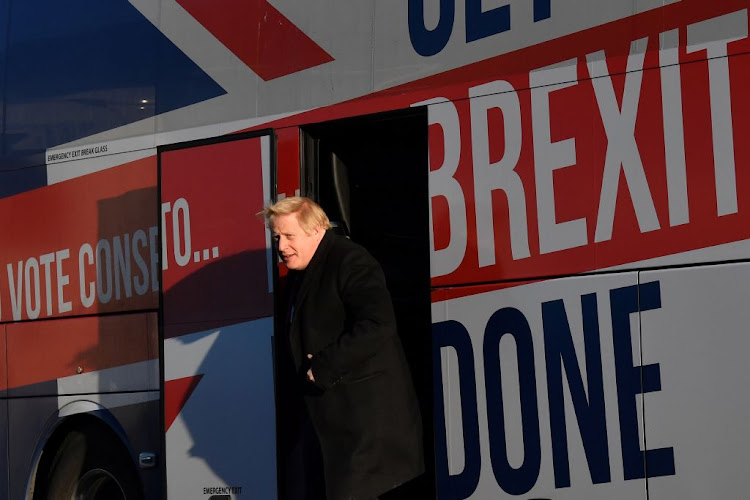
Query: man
(342,356)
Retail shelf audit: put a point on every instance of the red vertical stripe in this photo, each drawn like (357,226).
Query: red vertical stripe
(287,160)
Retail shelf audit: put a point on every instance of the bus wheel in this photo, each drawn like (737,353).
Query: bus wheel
(88,465)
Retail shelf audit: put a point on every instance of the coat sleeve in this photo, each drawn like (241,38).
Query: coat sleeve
(370,320)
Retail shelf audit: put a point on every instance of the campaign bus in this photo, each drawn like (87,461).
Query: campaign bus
(558,192)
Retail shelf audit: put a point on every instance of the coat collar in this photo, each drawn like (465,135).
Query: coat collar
(314,268)
(312,272)
(310,275)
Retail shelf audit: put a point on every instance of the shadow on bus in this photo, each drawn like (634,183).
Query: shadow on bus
(218,368)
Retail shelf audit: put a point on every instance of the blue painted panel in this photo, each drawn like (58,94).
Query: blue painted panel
(24,179)
(81,67)
(4,12)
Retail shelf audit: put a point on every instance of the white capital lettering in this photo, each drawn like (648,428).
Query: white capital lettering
(140,282)
(122,265)
(489,177)
(45,260)
(104,271)
(622,150)
(182,252)
(442,184)
(87,298)
(14,283)
(62,281)
(550,156)
(165,208)
(31,282)
(674,134)
(713,36)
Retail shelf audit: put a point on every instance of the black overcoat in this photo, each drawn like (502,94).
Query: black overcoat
(362,406)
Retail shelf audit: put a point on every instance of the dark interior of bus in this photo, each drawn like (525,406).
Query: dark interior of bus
(370,176)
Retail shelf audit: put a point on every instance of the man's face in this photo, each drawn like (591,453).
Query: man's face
(295,246)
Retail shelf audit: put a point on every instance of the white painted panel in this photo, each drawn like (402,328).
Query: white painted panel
(396,61)
(699,337)
(225,434)
(539,305)
(139,376)
(67,163)
(344,31)
(371,49)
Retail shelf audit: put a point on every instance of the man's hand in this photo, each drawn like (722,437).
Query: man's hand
(310,376)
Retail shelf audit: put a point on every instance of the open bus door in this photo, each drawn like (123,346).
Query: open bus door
(369,173)
(217,318)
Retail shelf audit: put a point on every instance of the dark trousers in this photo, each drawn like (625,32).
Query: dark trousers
(302,477)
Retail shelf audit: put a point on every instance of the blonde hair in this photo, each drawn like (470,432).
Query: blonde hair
(309,214)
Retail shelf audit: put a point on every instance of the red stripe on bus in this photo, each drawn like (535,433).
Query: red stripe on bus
(42,351)
(83,246)
(257,33)
(176,394)
(448,293)
(575,113)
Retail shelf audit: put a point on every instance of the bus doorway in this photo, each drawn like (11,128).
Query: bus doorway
(370,176)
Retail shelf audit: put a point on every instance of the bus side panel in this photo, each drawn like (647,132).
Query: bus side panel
(132,417)
(219,411)
(548,372)
(58,369)
(216,262)
(27,417)
(140,422)
(3,418)
(218,321)
(699,340)
(626,148)
(288,161)
(80,247)
(132,72)
(88,355)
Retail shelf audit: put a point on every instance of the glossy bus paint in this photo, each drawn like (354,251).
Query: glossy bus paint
(588,196)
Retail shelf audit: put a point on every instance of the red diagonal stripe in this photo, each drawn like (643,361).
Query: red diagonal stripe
(176,394)
(259,35)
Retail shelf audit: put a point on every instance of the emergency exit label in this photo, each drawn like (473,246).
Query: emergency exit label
(222,492)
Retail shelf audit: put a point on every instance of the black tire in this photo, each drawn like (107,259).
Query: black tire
(87,465)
